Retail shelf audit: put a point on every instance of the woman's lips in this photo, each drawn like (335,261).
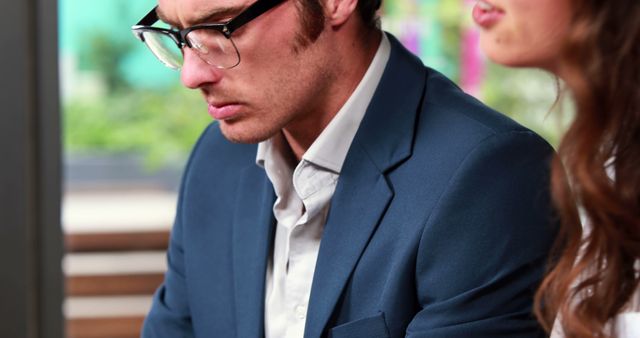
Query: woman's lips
(223,111)
(486,15)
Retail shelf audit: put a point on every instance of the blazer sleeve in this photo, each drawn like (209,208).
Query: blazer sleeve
(484,248)
(170,315)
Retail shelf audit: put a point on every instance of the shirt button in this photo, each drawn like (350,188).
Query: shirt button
(301,312)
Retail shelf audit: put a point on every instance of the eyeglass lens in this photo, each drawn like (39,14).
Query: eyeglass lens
(164,48)
(209,44)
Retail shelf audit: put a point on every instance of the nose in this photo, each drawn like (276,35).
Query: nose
(196,73)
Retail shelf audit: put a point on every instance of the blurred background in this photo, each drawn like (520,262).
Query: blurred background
(128,126)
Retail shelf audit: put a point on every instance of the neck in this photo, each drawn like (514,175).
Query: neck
(351,58)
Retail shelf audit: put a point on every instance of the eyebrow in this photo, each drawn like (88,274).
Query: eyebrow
(210,16)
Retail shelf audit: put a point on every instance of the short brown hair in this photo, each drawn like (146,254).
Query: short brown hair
(312,17)
(368,13)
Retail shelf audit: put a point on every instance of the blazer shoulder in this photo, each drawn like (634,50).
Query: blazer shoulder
(447,107)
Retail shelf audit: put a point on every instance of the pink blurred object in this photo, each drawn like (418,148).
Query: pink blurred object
(411,38)
(472,62)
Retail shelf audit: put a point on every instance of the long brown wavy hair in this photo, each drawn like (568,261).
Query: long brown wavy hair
(593,277)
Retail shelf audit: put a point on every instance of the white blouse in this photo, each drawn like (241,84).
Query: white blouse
(627,323)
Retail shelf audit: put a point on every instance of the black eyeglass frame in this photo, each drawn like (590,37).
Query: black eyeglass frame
(226,28)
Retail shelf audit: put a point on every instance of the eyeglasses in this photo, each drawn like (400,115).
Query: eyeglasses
(211,42)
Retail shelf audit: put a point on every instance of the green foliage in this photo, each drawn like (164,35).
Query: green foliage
(105,53)
(161,124)
(451,16)
(527,96)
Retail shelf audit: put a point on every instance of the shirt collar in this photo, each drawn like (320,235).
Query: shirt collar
(330,148)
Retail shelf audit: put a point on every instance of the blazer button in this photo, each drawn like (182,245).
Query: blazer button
(301,312)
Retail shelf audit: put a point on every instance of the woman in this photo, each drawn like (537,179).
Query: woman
(593,46)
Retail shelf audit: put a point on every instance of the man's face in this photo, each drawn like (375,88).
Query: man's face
(278,84)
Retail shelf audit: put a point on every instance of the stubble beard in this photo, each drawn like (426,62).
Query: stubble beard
(262,125)
(255,132)
(292,105)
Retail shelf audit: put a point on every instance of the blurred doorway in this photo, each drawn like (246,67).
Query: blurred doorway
(30,234)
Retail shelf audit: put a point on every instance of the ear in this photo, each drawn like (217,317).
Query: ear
(339,11)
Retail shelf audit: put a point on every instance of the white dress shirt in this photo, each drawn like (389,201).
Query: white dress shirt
(303,198)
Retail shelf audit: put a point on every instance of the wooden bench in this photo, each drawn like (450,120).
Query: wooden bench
(110,285)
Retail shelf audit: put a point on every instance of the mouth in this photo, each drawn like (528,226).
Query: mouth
(485,14)
(486,6)
(224,110)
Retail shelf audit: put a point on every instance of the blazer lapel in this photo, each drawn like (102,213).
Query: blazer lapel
(252,237)
(357,205)
(363,194)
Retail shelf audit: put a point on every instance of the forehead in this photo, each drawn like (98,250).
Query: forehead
(188,12)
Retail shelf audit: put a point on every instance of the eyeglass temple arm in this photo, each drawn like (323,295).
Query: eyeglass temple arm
(149,19)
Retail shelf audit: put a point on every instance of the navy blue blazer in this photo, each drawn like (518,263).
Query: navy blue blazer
(440,226)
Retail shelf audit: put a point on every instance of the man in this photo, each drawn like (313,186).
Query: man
(379,201)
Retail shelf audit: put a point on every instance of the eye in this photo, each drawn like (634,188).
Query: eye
(197,44)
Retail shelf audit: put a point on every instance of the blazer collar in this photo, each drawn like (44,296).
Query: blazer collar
(387,131)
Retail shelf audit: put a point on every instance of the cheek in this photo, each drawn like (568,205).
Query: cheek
(543,38)
(271,70)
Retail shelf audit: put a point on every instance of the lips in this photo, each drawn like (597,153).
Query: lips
(486,14)
(223,111)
